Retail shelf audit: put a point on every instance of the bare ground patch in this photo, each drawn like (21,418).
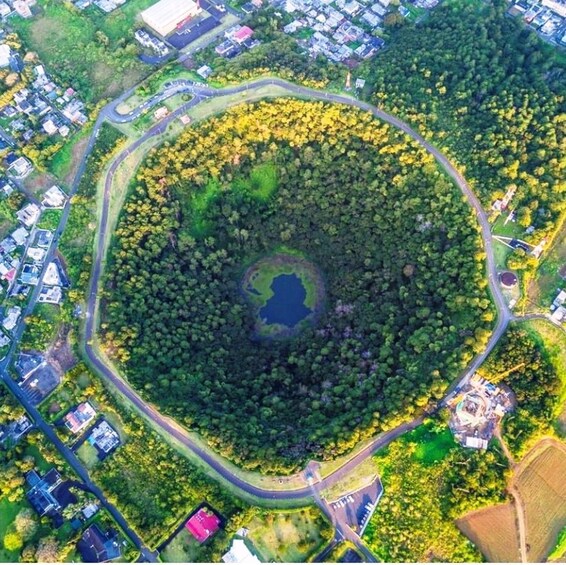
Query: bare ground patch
(61,355)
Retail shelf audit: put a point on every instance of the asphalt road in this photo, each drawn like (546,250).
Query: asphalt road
(170,427)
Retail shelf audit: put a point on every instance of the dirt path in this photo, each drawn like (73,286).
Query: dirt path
(518,468)
(517,502)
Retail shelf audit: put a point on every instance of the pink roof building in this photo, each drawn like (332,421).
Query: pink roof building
(243,34)
(203,524)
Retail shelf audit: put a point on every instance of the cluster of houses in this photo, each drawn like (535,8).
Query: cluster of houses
(40,110)
(22,259)
(23,254)
(49,495)
(102,436)
(477,409)
(236,39)
(150,41)
(341,30)
(546,17)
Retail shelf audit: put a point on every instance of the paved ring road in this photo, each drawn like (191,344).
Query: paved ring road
(172,428)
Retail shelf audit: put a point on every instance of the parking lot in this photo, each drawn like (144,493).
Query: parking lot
(356,508)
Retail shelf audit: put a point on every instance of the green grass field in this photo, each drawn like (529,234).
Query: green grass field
(288,537)
(548,277)
(88,455)
(560,548)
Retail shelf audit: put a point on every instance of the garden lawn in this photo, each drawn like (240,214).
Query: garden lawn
(50,220)
(88,455)
(183,548)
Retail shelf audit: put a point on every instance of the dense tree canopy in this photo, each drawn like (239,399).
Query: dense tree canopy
(492,94)
(406,297)
(521,362)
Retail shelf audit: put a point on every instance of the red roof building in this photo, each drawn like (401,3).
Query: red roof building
(203,524)
(243,34)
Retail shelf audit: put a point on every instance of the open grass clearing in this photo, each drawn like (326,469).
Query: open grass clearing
(542,488)
(50,220)
(433,445)
(494,531)
(559,550)
(288,537)
(501,253)
(65,163)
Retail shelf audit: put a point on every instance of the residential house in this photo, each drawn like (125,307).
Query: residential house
(36,254)
(240,553)
(20,167)
(11,319)
(105,438)
(19,236)
(203,524)
(54,197)
(51,295)
(41,494)
(96,546)
(29,214)
(43,238)
(30,274)
(79,418)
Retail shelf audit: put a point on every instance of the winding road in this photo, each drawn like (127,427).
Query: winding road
(170,427)
(201,93)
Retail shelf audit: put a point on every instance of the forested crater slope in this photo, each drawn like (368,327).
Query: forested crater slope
(396,278)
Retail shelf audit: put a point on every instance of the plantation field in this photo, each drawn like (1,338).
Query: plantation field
(288,537)
(543,492)
(494,531)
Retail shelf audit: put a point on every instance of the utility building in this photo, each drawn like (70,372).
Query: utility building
(166,16)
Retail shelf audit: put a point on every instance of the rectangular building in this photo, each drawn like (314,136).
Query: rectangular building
(166,15)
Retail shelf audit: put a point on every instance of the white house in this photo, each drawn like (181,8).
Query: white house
(239,553)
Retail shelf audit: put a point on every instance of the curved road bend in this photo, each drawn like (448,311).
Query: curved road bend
(172,428)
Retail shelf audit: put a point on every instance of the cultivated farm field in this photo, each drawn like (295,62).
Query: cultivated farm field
(543,492)
(494,531)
